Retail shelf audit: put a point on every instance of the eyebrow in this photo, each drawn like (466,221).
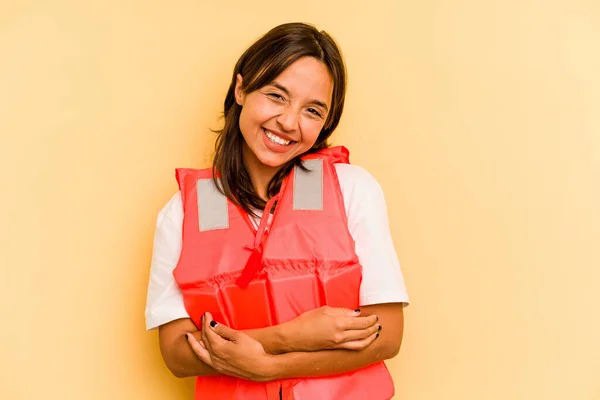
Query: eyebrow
(287,92)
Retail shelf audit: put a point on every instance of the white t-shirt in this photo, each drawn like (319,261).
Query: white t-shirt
(367,222)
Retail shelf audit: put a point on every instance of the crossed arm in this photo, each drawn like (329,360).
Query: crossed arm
(321,342)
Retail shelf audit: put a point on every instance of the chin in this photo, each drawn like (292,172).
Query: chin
(273,162)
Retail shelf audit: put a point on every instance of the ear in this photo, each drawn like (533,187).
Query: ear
(239,90)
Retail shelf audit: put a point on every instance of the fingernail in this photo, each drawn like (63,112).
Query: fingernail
(356,311)
(187,336)
(376,336)
(377,318)
(379,328)
(213,324)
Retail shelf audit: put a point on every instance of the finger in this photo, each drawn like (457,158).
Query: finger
(225,332)
(359,334)
(212,338)
(342,312)
(205,328)
(199,349)
(357,323)
(359,344)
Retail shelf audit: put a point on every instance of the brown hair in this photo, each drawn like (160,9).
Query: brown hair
(260,64)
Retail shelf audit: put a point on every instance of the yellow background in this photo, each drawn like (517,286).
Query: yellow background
(480,119)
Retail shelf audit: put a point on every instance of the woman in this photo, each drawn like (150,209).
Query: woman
(273,273)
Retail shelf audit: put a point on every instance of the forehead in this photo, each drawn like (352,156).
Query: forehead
(307,78)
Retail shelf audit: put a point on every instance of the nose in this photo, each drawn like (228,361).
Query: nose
(288,119)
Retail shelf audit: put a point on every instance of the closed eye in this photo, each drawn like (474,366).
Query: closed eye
(276,96)
(315,112)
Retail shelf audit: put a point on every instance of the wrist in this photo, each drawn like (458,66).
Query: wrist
(271,368)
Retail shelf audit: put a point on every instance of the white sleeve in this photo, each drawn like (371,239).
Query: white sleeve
(369,227)
(165,301)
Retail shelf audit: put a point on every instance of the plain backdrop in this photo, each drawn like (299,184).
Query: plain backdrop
(480,119)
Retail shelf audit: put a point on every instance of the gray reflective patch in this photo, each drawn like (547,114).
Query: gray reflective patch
(213,212)
(308,186)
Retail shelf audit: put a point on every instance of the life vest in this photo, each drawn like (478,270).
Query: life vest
(248,278)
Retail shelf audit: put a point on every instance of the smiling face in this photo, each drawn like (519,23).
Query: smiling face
(283,119)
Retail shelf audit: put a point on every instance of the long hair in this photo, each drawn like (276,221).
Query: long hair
(260,64)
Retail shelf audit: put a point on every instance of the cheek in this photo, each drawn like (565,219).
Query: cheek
(258,112)
(250,121)
(311,130)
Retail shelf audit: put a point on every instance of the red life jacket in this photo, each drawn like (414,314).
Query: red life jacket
(249,279)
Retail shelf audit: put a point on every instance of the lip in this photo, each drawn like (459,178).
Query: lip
(281,135)
(275,147)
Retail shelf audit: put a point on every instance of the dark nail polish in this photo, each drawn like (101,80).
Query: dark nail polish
(187,337)
(377,320)
(356,311)
(379,328)
(213,323)
(376,336)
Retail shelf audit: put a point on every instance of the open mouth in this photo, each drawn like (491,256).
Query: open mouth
(276,139)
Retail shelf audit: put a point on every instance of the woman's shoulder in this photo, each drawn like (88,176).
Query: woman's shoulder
(356,180)
(356,183)
(361,193)
(173,210)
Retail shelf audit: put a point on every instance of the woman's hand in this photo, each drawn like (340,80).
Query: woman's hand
(234,353)
(329,328)
(231,352)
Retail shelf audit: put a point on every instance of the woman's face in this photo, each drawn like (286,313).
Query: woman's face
(283,119)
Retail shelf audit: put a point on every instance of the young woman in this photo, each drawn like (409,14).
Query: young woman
(274,274)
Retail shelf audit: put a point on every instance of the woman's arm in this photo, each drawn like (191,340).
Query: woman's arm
(234,353)
(322,328)
(183,362)
(332,362)
(176,352)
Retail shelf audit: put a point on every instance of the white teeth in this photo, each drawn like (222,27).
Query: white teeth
(276,139)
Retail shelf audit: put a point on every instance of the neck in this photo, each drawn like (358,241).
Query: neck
(260,174)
